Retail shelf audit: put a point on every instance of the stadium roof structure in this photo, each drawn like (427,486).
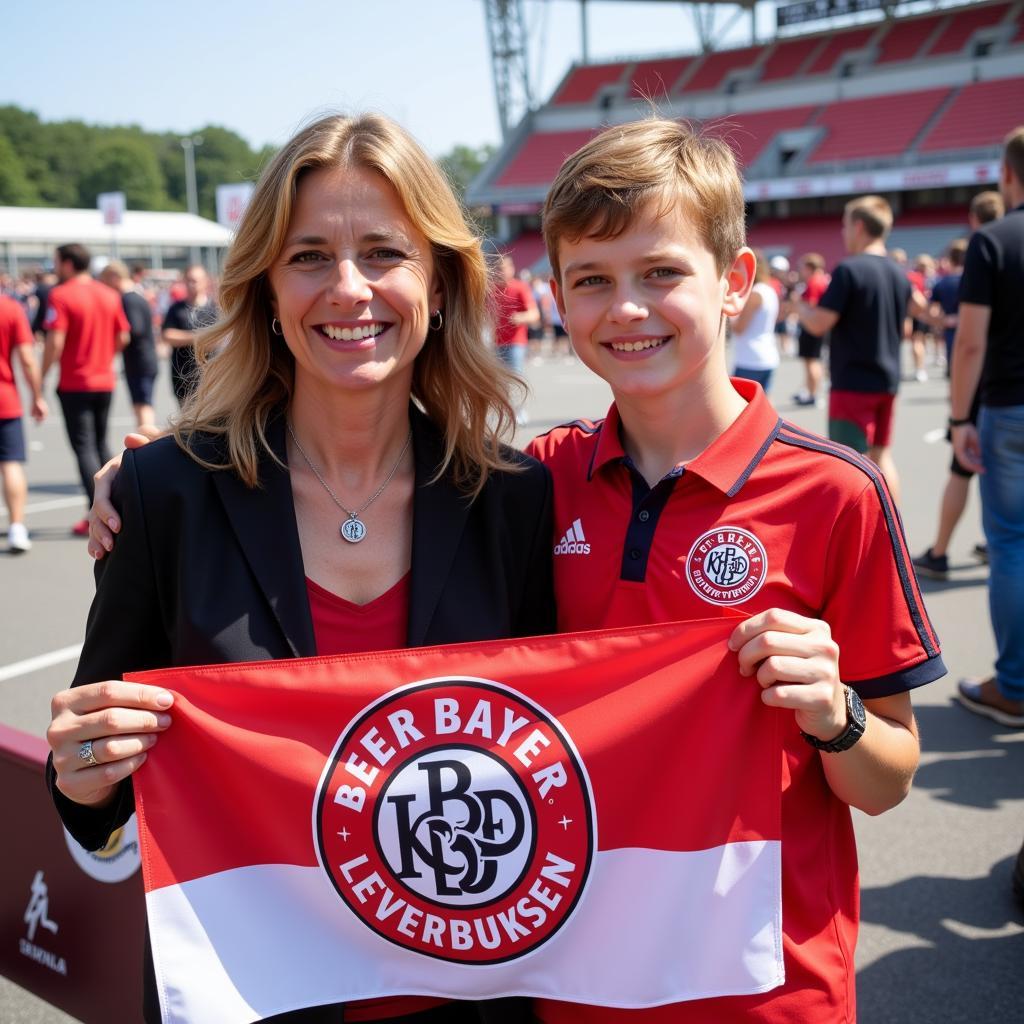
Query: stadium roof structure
(908,103)
(52,227)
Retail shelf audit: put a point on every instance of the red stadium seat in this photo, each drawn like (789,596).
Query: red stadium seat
(876,126)
(964,24)
(839,44)
(654,79)
(980,115)
(541,155)
(904,39)
(787,58)
(748,134)
(716,66)
(584,83)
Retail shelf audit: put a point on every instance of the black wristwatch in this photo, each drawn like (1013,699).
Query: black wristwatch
(958,423)
(856,721)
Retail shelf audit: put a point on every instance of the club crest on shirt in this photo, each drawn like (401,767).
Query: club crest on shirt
(456,819)
(727,565)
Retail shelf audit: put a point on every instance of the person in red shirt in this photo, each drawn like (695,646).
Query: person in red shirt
(693,499)
(515,313)
(16,341)
(86,327)
(815,281)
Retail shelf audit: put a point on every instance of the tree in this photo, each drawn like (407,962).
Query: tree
(15,188)
(123,164)
(463,163)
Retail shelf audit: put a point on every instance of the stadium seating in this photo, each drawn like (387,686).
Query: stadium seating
(976,117)
(748,134)
(905,39)
(787,58)
(657,78)
(584,83)
(840,43)
(874,127)
(541,155)
(715,66)
(955,35)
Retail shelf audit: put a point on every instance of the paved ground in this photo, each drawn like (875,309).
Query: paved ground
(941,939)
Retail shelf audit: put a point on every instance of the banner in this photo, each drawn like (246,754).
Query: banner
(591,817)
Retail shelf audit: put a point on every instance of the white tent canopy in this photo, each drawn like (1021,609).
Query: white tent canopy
(31,233)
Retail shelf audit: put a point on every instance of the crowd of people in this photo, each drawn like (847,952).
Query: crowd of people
(79,317)
(339,478)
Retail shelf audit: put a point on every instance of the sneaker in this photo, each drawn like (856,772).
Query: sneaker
(921,376)
(81,528)
(935,567)
(17,539)
(980,552)
(803,398)
(983,698)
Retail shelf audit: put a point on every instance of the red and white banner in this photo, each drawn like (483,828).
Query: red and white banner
(590,817)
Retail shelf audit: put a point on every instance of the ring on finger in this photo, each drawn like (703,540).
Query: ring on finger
(85,753)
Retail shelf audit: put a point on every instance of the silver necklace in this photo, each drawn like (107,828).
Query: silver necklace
(352,529)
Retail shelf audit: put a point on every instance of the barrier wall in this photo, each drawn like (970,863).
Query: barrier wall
(72,924)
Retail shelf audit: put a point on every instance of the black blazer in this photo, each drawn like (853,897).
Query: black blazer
(206,570)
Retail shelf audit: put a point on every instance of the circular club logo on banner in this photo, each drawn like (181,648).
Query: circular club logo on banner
(455,818)
(727,565)
(116,861)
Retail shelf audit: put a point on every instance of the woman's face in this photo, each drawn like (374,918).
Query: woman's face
(354,285)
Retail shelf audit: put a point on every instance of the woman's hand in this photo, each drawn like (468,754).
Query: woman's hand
(104,521)
(796,661)
(123,721)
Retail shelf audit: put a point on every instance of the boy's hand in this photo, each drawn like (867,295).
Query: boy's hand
(104,521)
(796,661)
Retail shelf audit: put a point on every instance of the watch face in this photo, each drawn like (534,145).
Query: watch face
(856,707)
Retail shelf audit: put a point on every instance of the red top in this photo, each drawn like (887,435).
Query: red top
(92,317)
(511,297)
(14,330)
(342,627)
(769,515)
(816,286)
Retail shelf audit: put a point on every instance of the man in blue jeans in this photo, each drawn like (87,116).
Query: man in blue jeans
(989,347)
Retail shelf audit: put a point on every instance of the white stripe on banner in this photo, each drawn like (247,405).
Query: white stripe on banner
(252,942)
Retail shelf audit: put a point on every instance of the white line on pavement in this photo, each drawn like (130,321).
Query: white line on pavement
(41,661)
(49,506)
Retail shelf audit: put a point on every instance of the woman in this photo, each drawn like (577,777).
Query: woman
(755,348)
(304,504)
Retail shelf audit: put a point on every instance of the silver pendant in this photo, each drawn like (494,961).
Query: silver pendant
(353,530)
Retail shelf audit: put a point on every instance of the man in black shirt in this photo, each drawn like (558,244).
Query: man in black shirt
(194,312)
(139,358)
(989,347)
(864,307)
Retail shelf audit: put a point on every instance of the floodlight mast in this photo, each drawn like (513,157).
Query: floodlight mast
(510,47)
(506,32)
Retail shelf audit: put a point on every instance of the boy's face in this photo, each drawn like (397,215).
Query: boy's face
(645,311)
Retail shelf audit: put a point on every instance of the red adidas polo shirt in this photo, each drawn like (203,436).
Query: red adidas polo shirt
(769,516)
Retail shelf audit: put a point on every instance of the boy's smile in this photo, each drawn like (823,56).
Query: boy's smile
(645,309)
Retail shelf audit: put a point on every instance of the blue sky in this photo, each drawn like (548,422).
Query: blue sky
(261,68)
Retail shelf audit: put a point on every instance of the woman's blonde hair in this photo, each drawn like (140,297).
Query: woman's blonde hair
(245,373)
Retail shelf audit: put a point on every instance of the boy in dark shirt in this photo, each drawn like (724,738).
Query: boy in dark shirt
(864,307)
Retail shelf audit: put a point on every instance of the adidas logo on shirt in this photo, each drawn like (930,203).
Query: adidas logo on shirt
(574,542)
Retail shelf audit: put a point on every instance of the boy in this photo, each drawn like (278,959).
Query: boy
(695,500)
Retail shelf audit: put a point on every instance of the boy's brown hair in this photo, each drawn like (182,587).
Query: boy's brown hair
(814,260)
(604,185)
(873,212)
(957,252)
(987,207)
